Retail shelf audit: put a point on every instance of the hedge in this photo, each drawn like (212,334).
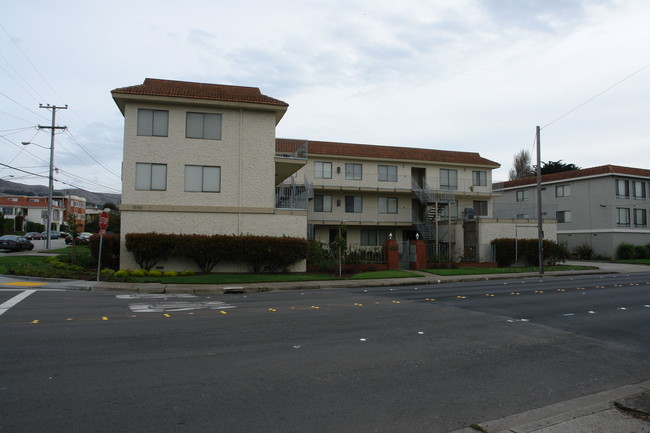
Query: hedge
(553,252)
(110,250)
(261,253)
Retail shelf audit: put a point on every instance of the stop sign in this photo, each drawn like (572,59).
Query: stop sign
(103,222)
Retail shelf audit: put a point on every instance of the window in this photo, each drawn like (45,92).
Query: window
(322,170)
(322,203)
(151,177)
(153,122)
(7,211)
(623,217)
(201,178)
(523,216)
(640,218)
(563,191)
(387,173)
(374,237)
(523,195)
(480,208)
(203,125)
(639,190)
(387,204)
(563,216)
(353,171)
(622,188)
(479,178)
(448,178)
(353,204)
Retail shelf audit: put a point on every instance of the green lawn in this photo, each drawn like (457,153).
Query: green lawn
(13,261)
(635,261)
(383,274)
(234,278)
(481,271)
(81,249)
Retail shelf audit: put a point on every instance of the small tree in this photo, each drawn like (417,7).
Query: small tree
(521,166)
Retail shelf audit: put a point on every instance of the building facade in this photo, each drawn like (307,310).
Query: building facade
(201,158)
(601,207)
(33,209)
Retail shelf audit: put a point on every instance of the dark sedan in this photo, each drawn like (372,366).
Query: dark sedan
(34,236)
(15,243)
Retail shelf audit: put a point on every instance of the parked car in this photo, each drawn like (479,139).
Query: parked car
(15,243)
(34,236)
(82,238)
(54,234)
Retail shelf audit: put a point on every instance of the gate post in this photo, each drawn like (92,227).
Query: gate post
(418,258)
(391,252)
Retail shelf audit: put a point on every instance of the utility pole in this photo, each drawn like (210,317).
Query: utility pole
(540,229)
(52,129)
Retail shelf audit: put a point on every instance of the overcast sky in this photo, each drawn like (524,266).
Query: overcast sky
(466,75)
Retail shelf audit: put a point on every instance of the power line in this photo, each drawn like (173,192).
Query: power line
(594,97)
(78,143)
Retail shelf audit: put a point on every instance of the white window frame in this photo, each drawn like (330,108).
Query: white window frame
(206,126)
(322,170)
(387,173)
(387,205)
(151,123)
(322,203)
(207,174)
(150,176)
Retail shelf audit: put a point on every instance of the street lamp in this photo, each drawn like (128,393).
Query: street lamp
(50,190)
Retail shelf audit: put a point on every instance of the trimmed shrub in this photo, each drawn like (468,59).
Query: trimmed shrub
(583,252)
(206,251)
(150,248)
(626,251)
(110,250)
(554,253)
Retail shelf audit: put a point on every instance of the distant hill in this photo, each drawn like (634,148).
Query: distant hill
(98,198)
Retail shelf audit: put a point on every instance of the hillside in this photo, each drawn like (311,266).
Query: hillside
(98,198)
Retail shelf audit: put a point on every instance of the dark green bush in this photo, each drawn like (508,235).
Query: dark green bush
(507,248)
(206,251)
(626,251)
(110,250)
(583,252)
(150,248)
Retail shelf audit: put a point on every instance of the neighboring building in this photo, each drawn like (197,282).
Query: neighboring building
(33,209)
(201,158)
(600,206)
(75,210)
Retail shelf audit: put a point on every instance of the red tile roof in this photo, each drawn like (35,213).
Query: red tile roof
(185,89)
(390,152)
(574,174)
(24,201)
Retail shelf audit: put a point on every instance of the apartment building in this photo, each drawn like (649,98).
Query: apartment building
(599,206)
(33,209)
(381,192)
(201,158)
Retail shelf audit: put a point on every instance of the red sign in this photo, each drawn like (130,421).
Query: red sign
(103,222)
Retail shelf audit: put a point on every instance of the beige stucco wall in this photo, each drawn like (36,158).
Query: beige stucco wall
(209,223)
(245,154)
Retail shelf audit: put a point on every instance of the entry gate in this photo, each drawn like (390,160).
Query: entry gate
(405,253)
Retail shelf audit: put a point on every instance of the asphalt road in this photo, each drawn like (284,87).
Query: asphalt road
(402,359)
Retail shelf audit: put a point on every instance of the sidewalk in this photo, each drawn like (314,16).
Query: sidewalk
(423,278)
(621,410)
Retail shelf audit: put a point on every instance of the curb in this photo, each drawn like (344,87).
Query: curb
(558,413)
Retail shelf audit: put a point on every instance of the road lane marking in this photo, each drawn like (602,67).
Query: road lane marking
(162,307)
(5,306)
(23,284)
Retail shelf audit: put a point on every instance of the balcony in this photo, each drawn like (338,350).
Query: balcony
(290,156)
(292,195)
